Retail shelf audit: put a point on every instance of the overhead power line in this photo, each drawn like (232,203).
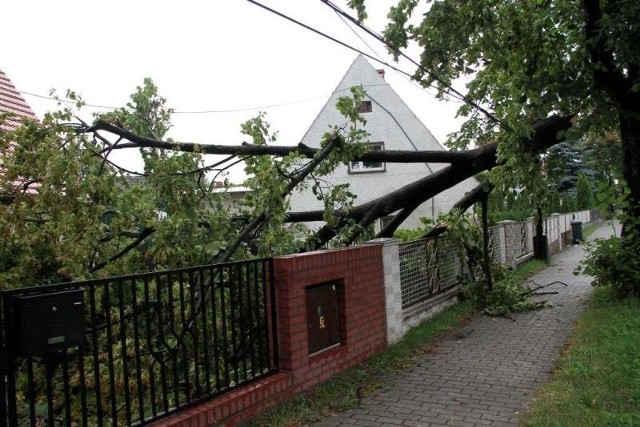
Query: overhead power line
(207,111)
(451,90)
(333,39)
(52,98)
(358,35)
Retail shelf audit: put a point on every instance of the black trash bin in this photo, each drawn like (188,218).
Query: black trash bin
(576,231)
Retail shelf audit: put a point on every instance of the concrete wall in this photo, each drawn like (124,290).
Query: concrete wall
(399,320)
(511,248)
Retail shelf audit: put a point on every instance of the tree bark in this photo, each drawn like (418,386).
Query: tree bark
(245,149)
(486,259)
(463,165)
(547,133)
(617,79)
(630,136)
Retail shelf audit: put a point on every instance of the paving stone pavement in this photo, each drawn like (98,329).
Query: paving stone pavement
(487,373)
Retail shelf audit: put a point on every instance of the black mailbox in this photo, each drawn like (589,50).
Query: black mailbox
(48,322)
(322,317)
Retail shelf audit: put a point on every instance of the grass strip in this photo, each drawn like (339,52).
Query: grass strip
(345,390)
(597,379)
(528,269)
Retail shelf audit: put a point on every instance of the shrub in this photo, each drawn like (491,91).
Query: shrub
(614,261)
(584,193)
(508,295)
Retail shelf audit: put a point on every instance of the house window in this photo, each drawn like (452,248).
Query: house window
(358,166)
(365,107)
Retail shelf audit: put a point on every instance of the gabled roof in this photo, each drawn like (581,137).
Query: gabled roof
(391,124)
(396,112)
(12,102)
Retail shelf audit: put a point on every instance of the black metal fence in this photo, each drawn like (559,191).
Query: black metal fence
(149,344)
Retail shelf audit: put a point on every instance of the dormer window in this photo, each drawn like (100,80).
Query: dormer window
(358,166)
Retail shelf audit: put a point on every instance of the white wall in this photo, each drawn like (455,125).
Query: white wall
(393,123)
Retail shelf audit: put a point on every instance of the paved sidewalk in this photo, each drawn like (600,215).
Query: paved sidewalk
(488,377)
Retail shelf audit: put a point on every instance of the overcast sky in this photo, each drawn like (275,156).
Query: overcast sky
(217,55)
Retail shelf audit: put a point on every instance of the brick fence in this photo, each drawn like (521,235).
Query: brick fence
(338,307)
(356,276)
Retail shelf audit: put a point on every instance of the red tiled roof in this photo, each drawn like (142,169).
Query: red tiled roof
(11,101)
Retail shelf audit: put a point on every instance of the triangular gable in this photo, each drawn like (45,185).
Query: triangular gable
(12,102)
(391,125)
(384,97)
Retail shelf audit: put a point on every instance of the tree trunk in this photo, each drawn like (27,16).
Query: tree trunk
(486,259)
(630,136)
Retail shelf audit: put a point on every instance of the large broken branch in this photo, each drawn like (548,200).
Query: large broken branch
(389,156)
(140,238)
(463,165)
(256,223)
(547,133)
(472,197)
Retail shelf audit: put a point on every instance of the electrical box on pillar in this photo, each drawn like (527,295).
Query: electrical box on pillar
(45,323)
(323,323)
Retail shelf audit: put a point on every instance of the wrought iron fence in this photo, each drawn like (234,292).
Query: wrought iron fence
(427,268)
(153,343)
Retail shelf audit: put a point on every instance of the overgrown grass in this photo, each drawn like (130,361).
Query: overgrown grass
(597,380)
(344,391)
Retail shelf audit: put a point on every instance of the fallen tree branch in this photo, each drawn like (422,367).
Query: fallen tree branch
(141,237)
(547,133)
(258,221)
(388,156)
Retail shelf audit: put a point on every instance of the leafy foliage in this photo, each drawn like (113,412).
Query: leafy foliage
(72,213)
(584,193)
(509,295)
(526,60)
(614,262)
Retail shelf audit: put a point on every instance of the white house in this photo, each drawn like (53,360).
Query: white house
(233,197)
(392,126)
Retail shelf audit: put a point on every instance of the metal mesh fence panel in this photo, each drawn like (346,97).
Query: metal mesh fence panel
(427,268)
(495,248)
